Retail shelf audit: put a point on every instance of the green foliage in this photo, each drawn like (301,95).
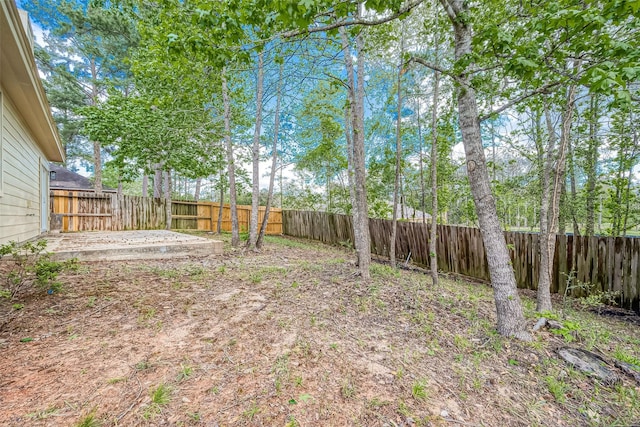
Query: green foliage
(185,372)
(626,357)
(161,395)
(557,387)
(89,420)
(84,53)
(30,265)
(569,331)
(419,390)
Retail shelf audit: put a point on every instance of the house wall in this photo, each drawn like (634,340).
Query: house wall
(21,166)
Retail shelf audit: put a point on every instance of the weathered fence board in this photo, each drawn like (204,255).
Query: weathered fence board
(204,216)
(87,211)
(604,263)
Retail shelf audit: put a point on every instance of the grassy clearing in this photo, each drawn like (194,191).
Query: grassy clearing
(290,336)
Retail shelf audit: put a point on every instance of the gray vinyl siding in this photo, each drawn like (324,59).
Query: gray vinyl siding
(20,174)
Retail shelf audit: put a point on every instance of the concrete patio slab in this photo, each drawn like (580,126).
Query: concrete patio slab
(127,245)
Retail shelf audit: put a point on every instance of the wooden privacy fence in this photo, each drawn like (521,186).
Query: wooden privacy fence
(87,211)
(606,263)
(204,216)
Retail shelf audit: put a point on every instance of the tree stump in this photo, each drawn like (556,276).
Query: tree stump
(589,363)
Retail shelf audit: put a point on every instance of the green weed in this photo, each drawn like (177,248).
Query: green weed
(185,372)
(252,411)
(419,390)
(89,421)
(348,389)
(161,395)
(557,388)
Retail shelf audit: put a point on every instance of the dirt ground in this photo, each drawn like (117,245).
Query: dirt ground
(291,336)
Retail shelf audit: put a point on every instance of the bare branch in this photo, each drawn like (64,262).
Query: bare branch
(448,7)
(434,67)
(408,7)
(540,90)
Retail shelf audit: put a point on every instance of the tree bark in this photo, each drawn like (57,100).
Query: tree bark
(196,194)
(157,181)
(591,167)
(364,244)
(220,211)
(421,167)
(396,186)
(235,229)
(274,158)
(433,231)
(167,197)
(97,167)
(145,185)
(548,236)
(255,151)
(351,177)
(97,155)
(356,109)
(508,308)
(574,194)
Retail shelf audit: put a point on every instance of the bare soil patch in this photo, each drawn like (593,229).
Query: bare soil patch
(291,336)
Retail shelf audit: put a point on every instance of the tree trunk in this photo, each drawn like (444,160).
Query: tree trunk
(235,229)
(433,232)
(627,200)
(220,210)
(274,158)
(363,246)
(351,177)
(574,194)
(508,308)
(167,197)
(396,186)
(421,167)
(97,155)
(97,167)
(145,185)
(255,151)
(157,181)
(562,208)
(591,168)
(356,104)
(548,236)
(196,195)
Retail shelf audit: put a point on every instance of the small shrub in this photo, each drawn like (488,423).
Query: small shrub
(30,265)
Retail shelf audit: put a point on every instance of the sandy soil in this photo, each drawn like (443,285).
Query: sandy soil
(286,337)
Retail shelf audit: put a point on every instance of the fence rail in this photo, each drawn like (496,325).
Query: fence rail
(87,211)
(606,263)
(204,216)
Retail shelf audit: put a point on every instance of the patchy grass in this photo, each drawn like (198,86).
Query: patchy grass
(291,336)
